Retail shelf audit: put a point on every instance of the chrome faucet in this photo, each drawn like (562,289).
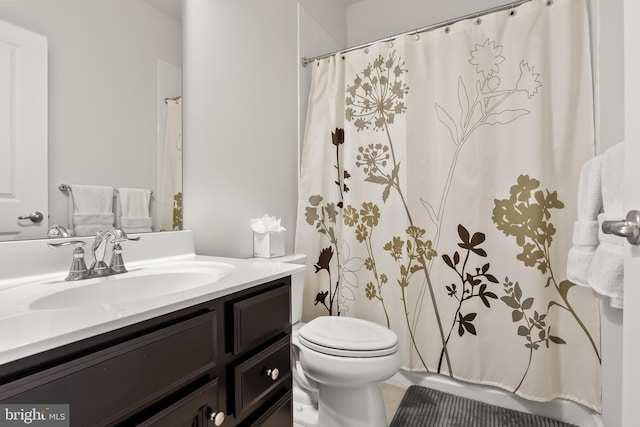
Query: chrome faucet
(56,231)
(98,268)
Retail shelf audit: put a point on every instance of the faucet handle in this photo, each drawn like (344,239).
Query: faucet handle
(119,235)
(117,263)
(78,243)
(78,268)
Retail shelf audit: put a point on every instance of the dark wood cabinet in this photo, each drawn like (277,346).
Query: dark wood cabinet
(194,410)
(226,358)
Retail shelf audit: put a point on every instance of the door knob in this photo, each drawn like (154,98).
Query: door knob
(33,216)
(629,227)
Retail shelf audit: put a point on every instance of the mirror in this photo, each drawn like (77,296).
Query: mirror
(111,66)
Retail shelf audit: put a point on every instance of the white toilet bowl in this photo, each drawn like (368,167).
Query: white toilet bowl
(338,364)
(348,358)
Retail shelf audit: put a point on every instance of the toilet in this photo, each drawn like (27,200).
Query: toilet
(338,365)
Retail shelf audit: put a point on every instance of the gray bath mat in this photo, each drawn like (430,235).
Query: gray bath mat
(425,407)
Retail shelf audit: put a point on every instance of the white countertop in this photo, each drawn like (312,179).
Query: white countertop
(25,330)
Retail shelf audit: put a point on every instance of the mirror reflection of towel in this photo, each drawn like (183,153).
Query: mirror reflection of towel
(133,210)
(90,209)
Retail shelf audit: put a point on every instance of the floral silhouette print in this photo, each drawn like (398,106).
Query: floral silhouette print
(472,283)
(177,211)
(377,96)
(480,106)
(365,221)
(526,215)
(528,80)
(487,57)
(529,323)
(324,216)
(337,139)
(374,100)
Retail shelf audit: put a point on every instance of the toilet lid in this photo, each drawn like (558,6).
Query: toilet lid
(348,337)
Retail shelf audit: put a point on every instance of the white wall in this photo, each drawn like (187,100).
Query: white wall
(102,88)
(371,20)
(322,28)
(240,120)
(375,19)
(631,380)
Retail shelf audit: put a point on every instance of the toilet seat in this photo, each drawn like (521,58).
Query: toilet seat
(347,337)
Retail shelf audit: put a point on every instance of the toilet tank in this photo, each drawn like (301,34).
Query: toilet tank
(297,285)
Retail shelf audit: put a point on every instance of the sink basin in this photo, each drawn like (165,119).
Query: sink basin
(137,284)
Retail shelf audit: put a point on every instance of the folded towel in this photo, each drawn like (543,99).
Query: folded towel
(133,209)
(585,229)
(90,209)
(606,274)
(93,219)
(133,222)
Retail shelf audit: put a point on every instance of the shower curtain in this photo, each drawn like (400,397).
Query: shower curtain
(438,194)
(171,192)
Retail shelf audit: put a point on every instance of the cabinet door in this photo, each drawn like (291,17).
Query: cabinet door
(132,374)
(279,415)
(261,374)
(261,317)
(193,410)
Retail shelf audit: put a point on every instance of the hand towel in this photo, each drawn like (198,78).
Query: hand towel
(585,229)
(606,274)
(133,209)
(90,209)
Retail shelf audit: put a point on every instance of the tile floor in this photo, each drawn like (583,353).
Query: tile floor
(392,396)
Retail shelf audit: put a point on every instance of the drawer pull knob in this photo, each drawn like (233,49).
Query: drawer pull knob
(273,373)
(217,418)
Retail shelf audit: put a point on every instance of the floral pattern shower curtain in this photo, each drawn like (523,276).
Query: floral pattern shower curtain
(438,194)
(171,190)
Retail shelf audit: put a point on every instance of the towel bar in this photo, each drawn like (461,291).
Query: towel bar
(67,187)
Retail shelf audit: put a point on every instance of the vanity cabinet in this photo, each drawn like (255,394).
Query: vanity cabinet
(227,358)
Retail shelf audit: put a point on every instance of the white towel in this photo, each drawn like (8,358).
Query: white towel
(585,229)
(606,274)
(133,209)
(90,209)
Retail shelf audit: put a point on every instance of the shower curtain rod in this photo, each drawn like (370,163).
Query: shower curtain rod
(306,61)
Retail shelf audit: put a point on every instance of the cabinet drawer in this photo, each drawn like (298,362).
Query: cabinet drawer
(252,383)
(279,415)
(191,411)
(260,317)
(111,383)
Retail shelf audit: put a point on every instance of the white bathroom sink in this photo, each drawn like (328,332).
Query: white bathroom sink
(137,284)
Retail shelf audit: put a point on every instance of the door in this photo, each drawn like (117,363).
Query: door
(631,314)
(23,133)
